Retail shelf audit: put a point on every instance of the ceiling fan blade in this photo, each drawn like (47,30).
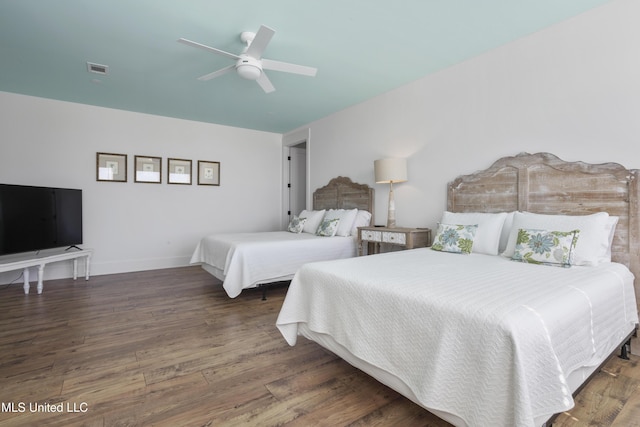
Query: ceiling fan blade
(260,42)
(265,83)
(209,48)
(269,64)
(217,73)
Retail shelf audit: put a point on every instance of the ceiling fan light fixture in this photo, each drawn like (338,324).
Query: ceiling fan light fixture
(249,71)
(248,67)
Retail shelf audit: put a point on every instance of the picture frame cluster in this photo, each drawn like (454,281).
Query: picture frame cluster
(113,167)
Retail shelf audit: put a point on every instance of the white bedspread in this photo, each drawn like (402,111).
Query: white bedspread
(249,259)
(481,337)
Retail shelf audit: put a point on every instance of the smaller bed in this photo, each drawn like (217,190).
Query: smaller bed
(249,260)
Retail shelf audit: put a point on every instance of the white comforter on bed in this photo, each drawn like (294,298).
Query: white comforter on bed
(249,259)
(481,337)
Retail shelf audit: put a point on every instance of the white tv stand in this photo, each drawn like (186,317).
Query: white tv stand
(24,261)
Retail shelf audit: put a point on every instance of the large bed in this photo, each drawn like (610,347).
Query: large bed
(480,339)
(249,260)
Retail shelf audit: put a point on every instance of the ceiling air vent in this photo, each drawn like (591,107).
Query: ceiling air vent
(97,68)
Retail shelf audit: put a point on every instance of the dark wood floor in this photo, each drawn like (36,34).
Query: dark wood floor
(169,348)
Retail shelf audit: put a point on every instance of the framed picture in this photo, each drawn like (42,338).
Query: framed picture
(179,171)
(208,173)
(111,167)
(148,169)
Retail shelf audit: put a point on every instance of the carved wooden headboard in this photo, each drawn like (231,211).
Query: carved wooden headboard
(342,193)
(542,183)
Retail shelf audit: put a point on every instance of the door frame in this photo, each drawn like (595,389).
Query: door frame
(288,140)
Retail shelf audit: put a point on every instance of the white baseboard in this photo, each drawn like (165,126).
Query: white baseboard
(64,270)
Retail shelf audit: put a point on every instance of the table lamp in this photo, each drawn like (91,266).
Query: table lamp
(390,171)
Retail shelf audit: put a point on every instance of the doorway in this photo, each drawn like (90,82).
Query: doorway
(295,174)
(297,178)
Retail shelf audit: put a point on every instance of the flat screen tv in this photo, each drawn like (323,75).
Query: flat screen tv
(36,218)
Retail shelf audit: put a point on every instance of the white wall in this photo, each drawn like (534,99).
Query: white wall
(572,90)
(135,226)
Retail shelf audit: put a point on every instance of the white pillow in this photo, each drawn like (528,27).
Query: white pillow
(346,217)
(314,218)
(594,233)
(487,238)
(363,219)
(506,231)
(610,230)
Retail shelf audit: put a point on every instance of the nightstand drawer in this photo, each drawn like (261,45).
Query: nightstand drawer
(396,238)
(371,236)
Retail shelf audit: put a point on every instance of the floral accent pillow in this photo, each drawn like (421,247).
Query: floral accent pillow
(545,247)
(328,227)
(454,238)
(296,224)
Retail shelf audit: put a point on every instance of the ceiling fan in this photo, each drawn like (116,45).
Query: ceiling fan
(250,64)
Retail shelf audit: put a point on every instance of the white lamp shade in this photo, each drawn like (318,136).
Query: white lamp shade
(390,170)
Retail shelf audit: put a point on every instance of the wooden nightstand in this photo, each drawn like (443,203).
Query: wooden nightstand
(408,238)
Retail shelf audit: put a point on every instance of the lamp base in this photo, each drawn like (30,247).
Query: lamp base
(391,215)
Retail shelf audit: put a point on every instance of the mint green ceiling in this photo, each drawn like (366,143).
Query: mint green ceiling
(361,48)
